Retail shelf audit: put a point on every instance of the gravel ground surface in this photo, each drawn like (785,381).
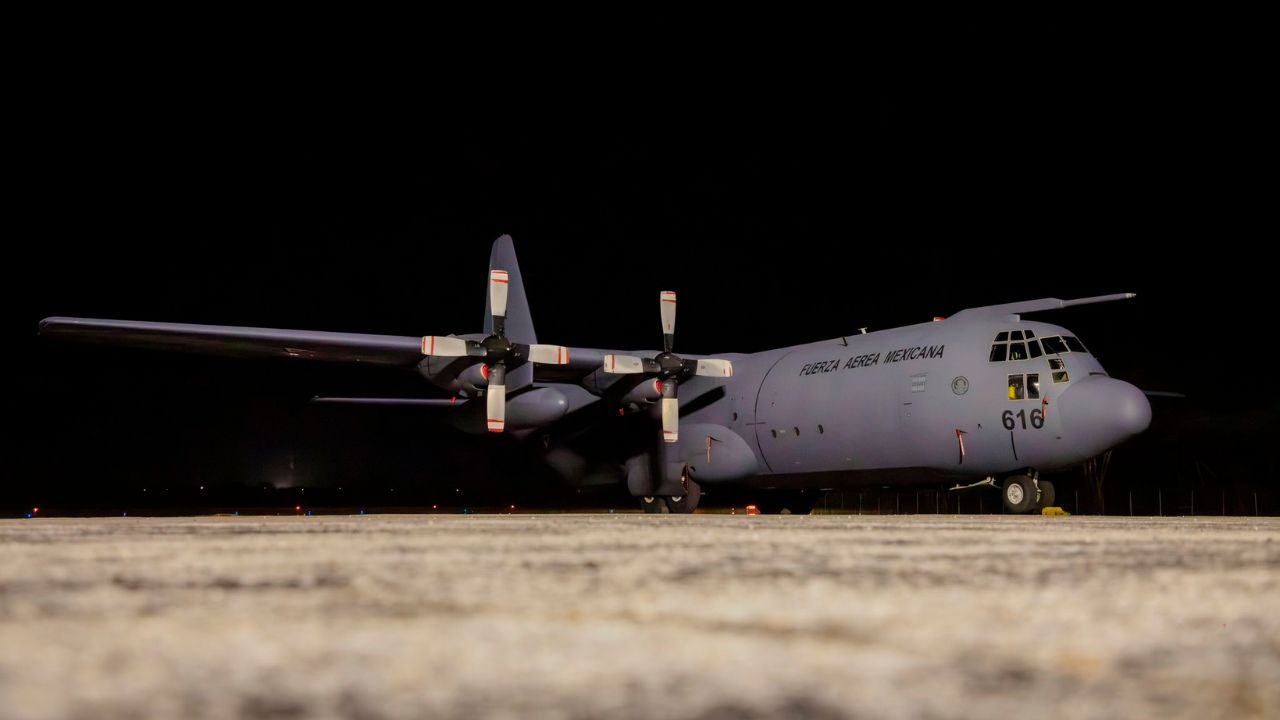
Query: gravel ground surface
(633,616)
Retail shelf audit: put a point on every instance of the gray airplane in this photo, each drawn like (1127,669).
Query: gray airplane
(981,397)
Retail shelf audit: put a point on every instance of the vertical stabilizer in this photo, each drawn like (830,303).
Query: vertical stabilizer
(519,324)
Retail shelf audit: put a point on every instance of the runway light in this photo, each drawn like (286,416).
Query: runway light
(35,509)
(753,510)
(297,507)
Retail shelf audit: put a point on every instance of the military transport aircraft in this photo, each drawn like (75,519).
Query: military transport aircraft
(981,397)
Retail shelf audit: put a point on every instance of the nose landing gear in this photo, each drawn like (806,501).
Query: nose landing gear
(1027,493)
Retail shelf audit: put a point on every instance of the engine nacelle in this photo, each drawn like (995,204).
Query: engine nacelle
(474,378)
(649,391)
(531,409)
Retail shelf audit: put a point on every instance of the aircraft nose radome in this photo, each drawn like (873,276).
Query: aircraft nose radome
(1101,412)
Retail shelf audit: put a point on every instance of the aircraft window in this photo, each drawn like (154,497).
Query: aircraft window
(1002,337)
(775,432)
(999,352)
(1030,334)
(1056,364)
(820,430)
(1016,335)
(1033,347)
(1074,344)
(735,417)
(1060,376)
(1015,387)
(1033,386)
(796,430)
(1053,345)
(1017,351)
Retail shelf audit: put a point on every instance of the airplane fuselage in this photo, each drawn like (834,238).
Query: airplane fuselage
(911,402)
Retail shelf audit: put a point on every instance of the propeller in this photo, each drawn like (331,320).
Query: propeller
(669,368)
(496,352)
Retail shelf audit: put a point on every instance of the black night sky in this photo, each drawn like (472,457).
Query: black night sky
(786,200)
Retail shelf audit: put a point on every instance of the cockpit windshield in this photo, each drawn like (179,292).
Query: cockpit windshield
(1010,345)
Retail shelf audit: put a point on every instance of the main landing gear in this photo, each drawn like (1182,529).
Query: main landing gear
(674,504)
(1027,493)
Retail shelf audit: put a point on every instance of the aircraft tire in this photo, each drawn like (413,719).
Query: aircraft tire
(653,505)
(1047,494)
(1019,494)
(688,502)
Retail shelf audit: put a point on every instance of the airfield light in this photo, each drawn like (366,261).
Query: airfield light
(297,507)
(753,510)
(35,510)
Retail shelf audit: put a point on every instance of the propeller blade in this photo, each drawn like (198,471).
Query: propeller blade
(667,304)
(623,364)
(496,397)
(708,367)
(498,293)
(437,346)
(670,412)
(549,354)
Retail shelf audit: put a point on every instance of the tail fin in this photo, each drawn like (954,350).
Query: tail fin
(519,325)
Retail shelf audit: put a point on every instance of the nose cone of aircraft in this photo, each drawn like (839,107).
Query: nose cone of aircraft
(1101,412)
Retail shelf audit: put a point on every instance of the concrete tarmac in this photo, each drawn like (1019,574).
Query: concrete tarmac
(633,616)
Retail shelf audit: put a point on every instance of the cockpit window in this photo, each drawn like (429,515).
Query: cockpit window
(1053,345)
(1033,386)
(1013,345)
(1015,387)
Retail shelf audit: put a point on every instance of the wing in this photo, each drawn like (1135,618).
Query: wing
(240,341)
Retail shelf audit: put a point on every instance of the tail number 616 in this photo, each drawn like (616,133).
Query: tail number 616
(1011,419)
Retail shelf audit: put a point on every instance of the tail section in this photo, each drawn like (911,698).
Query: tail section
(519,323)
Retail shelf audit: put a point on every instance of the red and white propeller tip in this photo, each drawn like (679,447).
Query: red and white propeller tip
(498,282)
(437,346)
(667,303)
(549,354)
(496,405)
